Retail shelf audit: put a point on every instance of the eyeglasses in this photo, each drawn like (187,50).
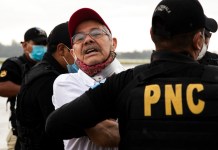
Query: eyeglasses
(94,33)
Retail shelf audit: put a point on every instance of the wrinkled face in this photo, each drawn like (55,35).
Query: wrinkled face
(93,50)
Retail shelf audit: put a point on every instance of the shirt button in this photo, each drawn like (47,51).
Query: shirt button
(98,78)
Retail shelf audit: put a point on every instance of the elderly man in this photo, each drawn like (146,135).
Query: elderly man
(94,54)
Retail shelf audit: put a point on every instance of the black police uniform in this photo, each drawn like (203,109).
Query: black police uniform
(169,104)
(35,104)
(13,69)
(209,59)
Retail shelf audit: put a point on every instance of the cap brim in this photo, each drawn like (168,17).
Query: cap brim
(211,24)
(81,15)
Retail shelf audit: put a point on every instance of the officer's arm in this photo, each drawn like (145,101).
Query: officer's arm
(105,133)
(70,120)
(9,89)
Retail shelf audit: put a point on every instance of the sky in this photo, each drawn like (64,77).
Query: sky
(129,20)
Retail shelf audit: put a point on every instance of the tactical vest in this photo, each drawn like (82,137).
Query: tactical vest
(170,113)
(26,134)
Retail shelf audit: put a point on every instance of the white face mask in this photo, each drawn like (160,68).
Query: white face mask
(203,51)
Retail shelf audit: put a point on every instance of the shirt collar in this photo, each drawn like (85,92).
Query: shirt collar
(114,67)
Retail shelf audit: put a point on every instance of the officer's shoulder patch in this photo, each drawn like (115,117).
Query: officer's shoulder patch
(3,73)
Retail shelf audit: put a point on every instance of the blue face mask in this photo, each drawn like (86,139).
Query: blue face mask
(38,52)
(72,68)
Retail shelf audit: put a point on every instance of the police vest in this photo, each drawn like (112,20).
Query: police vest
(170,113)
(40,69)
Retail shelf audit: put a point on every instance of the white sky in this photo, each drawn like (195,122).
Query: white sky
(129,20)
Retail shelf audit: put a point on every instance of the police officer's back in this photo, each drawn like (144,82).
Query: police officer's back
(34,99)
(168,104)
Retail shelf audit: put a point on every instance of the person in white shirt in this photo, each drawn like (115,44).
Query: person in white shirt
(93,49)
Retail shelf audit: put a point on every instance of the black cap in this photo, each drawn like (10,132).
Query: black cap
(173,17)
(58,35)
(211,24)
(36,34)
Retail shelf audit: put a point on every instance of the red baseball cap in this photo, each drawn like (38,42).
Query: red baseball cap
(81,15)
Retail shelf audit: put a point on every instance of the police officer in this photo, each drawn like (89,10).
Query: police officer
(34,99)
(14,68)
(168,104)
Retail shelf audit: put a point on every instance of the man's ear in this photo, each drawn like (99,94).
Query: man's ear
(72,52)
(24,46)
(114,43)
(197,41)
(60,49)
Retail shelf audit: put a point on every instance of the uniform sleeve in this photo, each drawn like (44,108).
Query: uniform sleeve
(87,110)
(10,71)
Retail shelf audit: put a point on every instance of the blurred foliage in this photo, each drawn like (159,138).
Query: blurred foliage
(146,54)
(15,49)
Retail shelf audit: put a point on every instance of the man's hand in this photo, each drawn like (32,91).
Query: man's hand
(105,133)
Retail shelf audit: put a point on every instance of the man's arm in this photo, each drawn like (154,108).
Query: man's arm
(10,78)
(9,89)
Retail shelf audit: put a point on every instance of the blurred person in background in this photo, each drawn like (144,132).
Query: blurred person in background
(13,70)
